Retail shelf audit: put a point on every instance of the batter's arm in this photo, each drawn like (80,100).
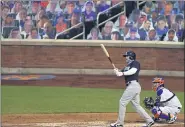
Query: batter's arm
(130,72)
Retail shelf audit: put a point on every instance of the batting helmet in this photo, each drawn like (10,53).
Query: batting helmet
(157,82)
(131,54)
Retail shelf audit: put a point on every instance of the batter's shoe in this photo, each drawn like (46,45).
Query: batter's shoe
(172,120)
(116,125)
(149,124)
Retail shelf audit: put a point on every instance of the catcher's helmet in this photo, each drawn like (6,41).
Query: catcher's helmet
(131,54)
(157,82)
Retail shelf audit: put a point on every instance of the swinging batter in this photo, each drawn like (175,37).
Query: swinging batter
(132,91)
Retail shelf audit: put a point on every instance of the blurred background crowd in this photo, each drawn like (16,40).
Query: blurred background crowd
(49,19)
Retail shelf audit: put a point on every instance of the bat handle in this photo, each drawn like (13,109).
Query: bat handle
(113,66)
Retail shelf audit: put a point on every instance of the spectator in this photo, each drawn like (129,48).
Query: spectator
(80,4)
(162,26)
(179,5)
(60,25)
(148,8)
(22,14)
(136,13)
(44,4)
(4,13)
(69,9)
(178,26)
(94,34)
(160,5)
(141,20)
(41,22)
(35,7)
(102,6)
(144,29)
(108,29)
(171,36)
(17,7)
(154,17)
(168,9)
(169,13)
(53,8)
(89,11)
(49,30)
(8,21)
(75,19)
(133,35)
(120,24)
(15,34)
(115,34)
(27,29)
(34,34)
(128,26)
(40,14)
(62,5)
(121,21)
(152,35)
(10,4)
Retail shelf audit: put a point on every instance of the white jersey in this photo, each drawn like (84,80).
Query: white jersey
(165,95)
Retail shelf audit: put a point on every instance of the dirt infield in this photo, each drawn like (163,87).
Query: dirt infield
(85,119)
(77,120)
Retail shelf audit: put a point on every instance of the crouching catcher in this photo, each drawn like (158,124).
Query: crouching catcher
(166,105)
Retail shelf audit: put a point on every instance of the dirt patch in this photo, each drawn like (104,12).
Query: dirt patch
(89,119)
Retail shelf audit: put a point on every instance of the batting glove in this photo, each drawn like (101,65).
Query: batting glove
(117,72)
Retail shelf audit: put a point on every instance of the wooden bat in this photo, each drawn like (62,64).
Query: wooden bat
(107,54)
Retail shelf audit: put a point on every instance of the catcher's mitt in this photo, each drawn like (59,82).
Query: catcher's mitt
(148,102)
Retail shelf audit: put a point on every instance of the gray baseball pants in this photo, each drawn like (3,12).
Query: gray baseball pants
(132,94)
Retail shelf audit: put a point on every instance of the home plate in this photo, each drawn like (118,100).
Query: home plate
(84,124)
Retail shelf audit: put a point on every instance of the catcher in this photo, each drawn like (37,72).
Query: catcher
(166,106)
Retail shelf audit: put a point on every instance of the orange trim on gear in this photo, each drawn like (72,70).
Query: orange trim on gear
(156,115)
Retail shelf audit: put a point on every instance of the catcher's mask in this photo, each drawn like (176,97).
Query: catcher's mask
(157,82)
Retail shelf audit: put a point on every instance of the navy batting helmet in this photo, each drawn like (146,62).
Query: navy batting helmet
(131,54)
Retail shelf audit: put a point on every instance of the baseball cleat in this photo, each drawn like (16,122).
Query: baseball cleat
(116,125)
(156,119)
(149,124)
(172,120)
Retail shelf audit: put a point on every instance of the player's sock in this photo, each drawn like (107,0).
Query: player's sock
(164,116)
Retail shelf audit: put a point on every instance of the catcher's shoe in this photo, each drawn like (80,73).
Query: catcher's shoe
(172,120)
(156,119)
(116,125)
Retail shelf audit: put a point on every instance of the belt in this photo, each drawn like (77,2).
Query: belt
(128,83)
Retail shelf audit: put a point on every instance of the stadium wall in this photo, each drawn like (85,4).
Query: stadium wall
(84,56)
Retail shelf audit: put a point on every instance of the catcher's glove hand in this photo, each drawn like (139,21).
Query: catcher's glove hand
(148,102)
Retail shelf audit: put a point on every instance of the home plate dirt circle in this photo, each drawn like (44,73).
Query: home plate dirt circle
(88,124)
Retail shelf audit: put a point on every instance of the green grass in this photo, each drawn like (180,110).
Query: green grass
(35,99)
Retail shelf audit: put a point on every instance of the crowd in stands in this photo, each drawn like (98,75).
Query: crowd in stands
(154,21)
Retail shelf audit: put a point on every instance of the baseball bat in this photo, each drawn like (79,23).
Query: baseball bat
(107,54)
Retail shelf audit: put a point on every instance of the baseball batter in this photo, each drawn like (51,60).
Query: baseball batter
(166,105)
(132,91)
